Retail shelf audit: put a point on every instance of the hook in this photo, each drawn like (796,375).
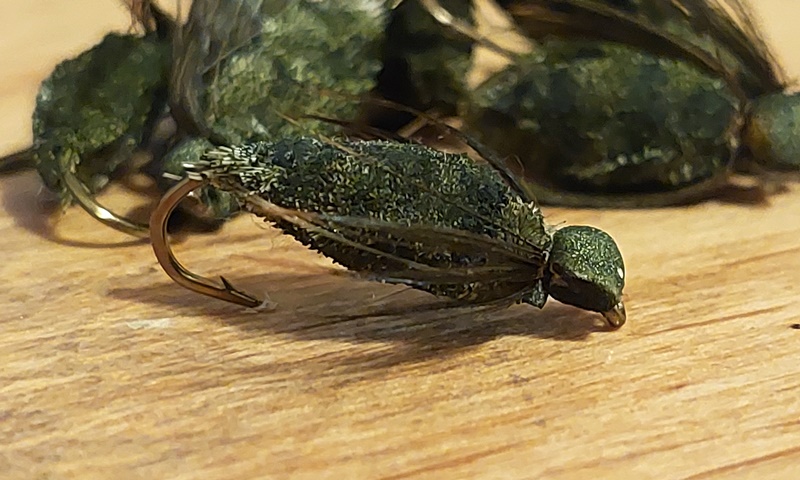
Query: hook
(17,161)
(171,265)
(87,201)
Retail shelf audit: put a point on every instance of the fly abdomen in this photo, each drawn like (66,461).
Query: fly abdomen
(416,208)
(400,183)
(406,214)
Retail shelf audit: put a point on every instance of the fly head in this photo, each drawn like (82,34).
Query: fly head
(586,270)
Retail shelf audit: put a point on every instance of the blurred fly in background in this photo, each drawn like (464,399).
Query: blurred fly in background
(616,103)
(229,74)
(620,103)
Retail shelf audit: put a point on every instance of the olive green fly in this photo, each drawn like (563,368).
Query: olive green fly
(406,214)
(228,75)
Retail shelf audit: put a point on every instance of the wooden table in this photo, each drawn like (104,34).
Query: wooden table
(109,370)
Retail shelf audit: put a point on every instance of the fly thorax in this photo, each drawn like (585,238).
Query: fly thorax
(207,203)
(248,168)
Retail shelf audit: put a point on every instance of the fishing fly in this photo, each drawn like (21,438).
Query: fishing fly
(630,103)
(225,76)
(372,207)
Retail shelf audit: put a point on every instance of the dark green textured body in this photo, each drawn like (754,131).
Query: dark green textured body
(247,64)
(408,214)
(93,110)
(605,119)
(402,184)
(625,103)
(239,69)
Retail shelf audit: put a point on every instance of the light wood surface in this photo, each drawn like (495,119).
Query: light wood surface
(109,370)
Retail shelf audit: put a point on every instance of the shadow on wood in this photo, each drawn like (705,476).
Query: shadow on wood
(326,306)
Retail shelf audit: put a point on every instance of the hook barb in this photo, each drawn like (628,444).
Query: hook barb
(171,265)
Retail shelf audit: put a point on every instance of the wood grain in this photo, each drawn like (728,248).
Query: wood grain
(109,370)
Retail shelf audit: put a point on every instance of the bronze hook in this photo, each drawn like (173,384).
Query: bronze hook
(82,196)
(17,161)
(171,265)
